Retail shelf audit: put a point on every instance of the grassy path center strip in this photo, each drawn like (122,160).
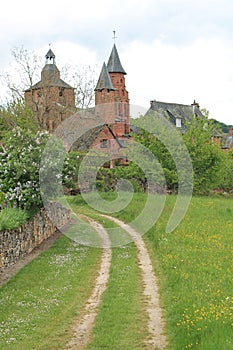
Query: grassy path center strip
(155,324)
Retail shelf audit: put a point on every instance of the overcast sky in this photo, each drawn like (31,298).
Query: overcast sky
(172,50)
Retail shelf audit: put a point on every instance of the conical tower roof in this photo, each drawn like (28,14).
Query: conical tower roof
(114,63)
(104,81)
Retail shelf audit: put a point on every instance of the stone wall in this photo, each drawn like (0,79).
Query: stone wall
(16,243)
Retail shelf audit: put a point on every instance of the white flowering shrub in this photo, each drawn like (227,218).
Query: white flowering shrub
(23,174)
(20,157)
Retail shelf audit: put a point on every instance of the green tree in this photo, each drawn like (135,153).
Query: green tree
(226,172)
(207,157)
(15,114)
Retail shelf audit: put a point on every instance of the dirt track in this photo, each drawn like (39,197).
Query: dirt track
(155,324)
(82,328)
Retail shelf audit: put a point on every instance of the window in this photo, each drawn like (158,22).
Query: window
(104,143)
(178,122)
(61,91)
(126,110)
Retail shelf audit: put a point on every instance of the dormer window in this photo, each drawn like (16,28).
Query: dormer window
(178,122)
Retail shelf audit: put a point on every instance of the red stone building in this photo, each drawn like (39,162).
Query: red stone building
(112,104)
(51,99)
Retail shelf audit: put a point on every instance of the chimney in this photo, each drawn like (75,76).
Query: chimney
(196,104)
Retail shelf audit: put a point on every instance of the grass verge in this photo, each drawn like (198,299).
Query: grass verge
(37,306)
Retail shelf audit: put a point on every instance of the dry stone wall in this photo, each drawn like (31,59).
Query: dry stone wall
(17,243)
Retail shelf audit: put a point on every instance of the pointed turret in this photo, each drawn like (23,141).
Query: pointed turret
(114,63)
(111,93)
(104,81)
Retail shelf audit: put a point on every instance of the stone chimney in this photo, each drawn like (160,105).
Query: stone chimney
(196,104)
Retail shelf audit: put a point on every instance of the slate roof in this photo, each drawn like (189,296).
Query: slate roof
(104,81)
(174,111)
(114,63)
(86,140)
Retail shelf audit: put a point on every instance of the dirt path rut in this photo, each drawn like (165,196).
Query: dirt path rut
(155,324)
(82,329)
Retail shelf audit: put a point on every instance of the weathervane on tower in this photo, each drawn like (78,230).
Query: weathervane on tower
(114,36)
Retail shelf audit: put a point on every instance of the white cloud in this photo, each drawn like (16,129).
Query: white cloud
(71,53)
(173,50)
(202,71)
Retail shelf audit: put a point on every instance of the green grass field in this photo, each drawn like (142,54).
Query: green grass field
(193,264)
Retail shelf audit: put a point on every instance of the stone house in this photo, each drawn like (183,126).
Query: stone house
(177,114)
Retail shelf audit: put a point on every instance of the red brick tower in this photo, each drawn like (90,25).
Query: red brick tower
(111,89)
(51,99)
